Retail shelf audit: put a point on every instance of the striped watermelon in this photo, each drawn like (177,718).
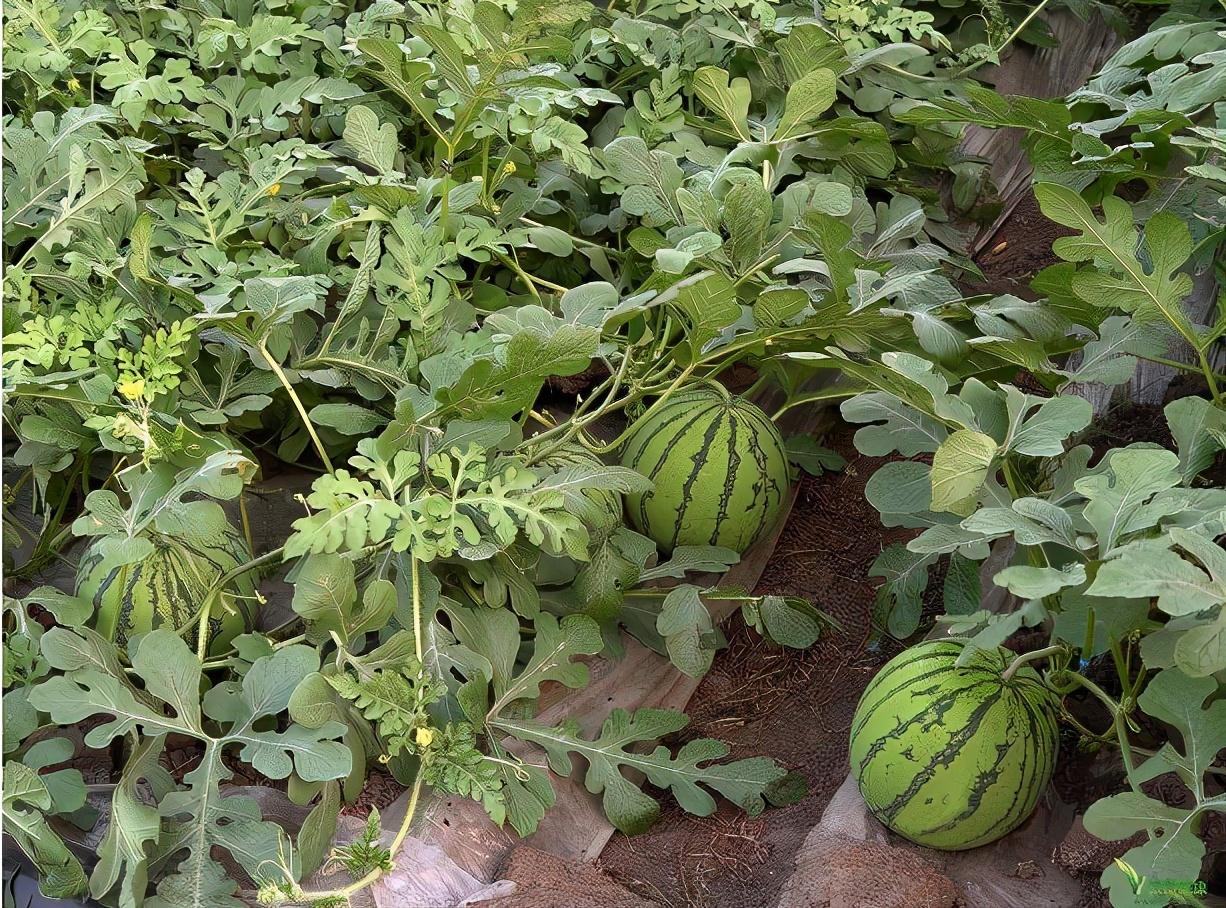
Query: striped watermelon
(169,586)
(951,757)
(719,470)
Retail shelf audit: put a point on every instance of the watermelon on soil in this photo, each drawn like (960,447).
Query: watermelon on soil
(953,757)
(167,588)
(719,469)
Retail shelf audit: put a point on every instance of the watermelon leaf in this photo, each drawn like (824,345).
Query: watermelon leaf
(461,504)
(157,498)
(1039,427)
(787,620)
(959,470)
(692,559)
(901,491)
(708,303)
(27,802)
(906,578)
(1153,294)
(1199,430)
(558,645)
(1112,358)
(1173,850)
(688,630)
(1119,497)
(135,825)
(728,97)
(813,458)
(198,818)
(686,774)
(1030,582)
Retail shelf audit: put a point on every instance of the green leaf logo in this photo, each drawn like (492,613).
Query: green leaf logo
(1135,880)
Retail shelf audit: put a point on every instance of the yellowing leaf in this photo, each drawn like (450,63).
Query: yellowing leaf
(959,469)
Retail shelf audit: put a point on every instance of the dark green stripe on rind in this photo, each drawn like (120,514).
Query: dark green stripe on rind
(730,478)
(660,420)
(653,466)
(953,757)
(687,487)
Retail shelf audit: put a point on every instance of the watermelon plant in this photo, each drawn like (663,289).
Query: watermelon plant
(1116,554)
(523,300)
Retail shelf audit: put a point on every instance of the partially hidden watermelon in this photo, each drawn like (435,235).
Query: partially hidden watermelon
(167,588)
(718,467)
(601,509)
(953,757)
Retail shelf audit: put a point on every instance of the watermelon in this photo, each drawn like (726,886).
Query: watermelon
(719,469)
(953,757)
(168,586)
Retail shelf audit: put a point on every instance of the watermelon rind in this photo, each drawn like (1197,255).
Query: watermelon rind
(718,467)
(953,757)
(167,588)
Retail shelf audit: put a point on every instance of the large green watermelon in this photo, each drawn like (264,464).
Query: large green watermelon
(719,469)
(168,587)
(951,757)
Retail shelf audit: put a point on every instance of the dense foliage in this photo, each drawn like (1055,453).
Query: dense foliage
(366,242)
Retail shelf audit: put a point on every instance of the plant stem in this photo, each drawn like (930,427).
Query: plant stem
(1118,720)
(206,607)
(358,885)
(677,382)
(1030,657)
(523,275)
(293,396)
(577,240)
(1195,368)
(1210,379)
(1010,479)
(16,487)
(242,513)
(826,394)
(573,426)
(1021,27)
(416,572)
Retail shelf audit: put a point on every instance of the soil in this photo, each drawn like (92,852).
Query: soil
(1019,249)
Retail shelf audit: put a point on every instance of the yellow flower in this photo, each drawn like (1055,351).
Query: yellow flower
(132,389)
(425,737)
(508,168)
(74,84)
(274,189)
